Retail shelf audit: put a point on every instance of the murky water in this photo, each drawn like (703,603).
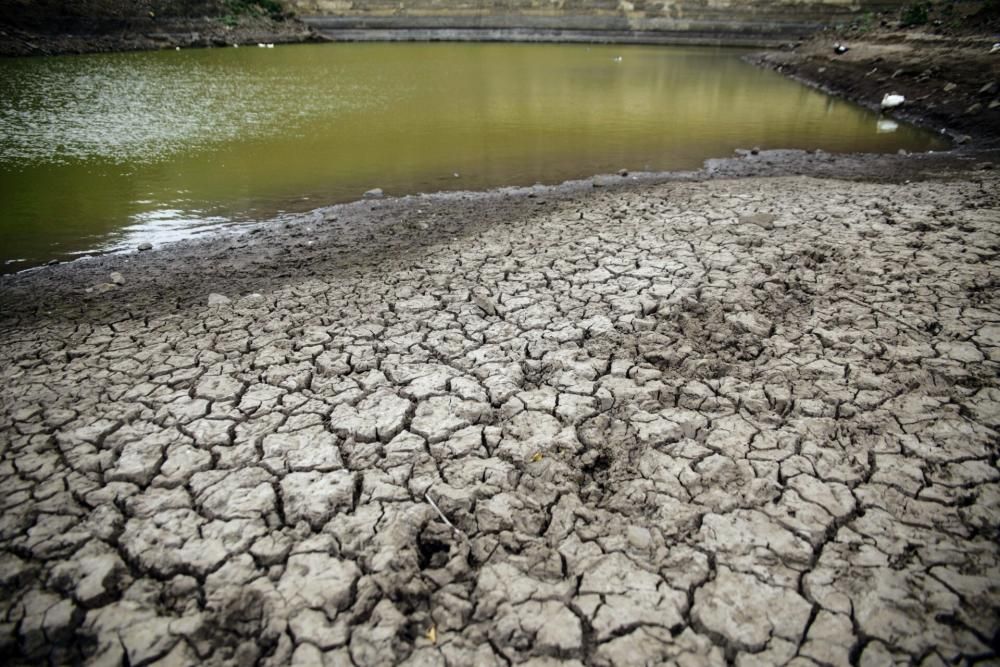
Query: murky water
(103,152)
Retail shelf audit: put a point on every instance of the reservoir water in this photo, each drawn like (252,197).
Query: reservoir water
(102,152)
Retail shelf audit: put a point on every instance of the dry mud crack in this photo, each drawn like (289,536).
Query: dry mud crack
(749,421)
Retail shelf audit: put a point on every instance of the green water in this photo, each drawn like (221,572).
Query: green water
(99,153)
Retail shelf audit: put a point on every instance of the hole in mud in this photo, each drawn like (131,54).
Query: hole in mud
(599,463)
(432,552)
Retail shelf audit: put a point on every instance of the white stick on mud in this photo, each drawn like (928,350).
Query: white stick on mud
(427,495)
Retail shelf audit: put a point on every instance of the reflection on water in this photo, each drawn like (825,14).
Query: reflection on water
(102,152)
(886,125)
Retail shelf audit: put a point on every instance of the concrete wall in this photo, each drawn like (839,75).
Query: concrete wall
(656,21)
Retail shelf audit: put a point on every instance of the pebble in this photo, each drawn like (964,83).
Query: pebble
(145,246)
(763,220)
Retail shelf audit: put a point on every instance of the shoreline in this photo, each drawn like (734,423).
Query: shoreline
(148,35)
(350,227)
(950,83)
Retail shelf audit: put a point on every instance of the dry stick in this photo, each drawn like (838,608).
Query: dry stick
(427,495)
(879,310)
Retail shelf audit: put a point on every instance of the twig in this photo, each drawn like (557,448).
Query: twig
(895,318)
(427,496)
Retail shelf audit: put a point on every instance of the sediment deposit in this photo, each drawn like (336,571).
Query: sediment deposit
(750,420)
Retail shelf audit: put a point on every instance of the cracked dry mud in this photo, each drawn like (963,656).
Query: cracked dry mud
(749,421)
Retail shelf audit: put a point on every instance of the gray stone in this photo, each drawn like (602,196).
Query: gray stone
(763,220)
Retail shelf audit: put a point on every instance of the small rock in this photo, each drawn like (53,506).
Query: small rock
(117,278)
(485,304)
(975,108)
(374,193)
(755,150)
(948,87)
(623,172)
(145,246)
(52,262)
(252,300)
(989,88)
(751,323)
(218,300)
(457,175)
(765,220)
(963,139)
(104,287)
(993,105)
(639,537)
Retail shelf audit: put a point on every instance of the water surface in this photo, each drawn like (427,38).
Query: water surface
(102,152)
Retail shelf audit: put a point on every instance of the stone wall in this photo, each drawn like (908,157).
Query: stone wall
(581,20)
(637,10)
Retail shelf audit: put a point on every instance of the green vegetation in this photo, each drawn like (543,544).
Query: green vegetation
(44,12)
(953,15)
(864,23)
(916,14)
(271,8)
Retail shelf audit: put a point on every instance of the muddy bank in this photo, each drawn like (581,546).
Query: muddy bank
(151,35)
(712,418)
(951,82)
(258,257)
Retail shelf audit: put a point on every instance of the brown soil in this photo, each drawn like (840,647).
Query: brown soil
(951,82)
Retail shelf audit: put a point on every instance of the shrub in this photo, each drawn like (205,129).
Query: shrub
(916,14)
(270,8)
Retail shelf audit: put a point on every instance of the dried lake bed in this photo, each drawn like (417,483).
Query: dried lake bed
(739,415)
